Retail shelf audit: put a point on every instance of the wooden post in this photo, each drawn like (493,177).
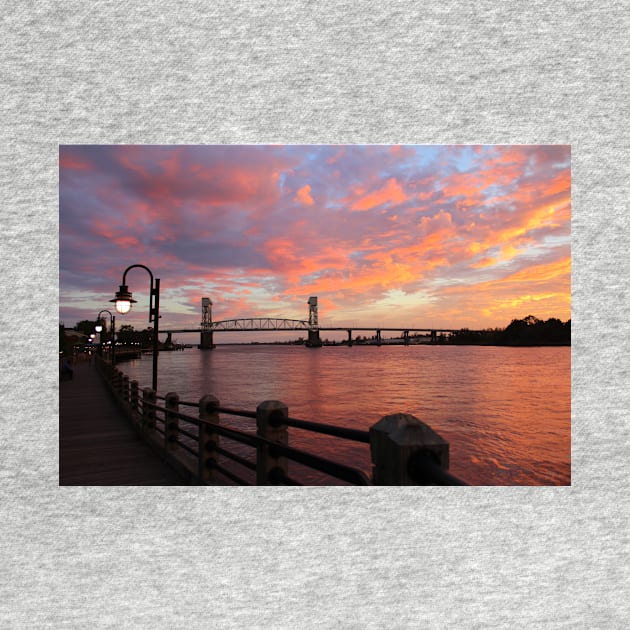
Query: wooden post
(148,412)
(125,388)
(208,439)
(397,443)
(271,421)
(134,396)
(171,422)
(118,383)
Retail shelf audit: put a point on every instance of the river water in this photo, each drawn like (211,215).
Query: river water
(506,412)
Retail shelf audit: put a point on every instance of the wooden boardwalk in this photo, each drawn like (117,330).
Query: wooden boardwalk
(97,444)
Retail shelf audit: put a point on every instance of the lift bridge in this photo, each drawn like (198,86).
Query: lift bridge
(311,325)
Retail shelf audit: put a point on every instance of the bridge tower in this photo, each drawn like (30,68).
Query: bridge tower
(313,340)
(206,325)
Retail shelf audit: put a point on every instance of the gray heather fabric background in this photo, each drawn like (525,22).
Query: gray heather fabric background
(302,72)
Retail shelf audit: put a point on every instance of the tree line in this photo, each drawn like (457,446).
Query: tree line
(529,331)
(126,335)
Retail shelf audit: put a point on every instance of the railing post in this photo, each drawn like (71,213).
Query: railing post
(134,395)
(117,382)
(271,421)
(171,422)
(208,439)
(125,388)
(398,444)
(107,372)
(148,412)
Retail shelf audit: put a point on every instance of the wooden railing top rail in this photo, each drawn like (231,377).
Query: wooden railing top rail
(355,435)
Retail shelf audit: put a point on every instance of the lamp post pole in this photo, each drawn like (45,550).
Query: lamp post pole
(124,300)
(112,327)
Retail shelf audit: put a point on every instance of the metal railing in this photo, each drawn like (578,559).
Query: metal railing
(209,450)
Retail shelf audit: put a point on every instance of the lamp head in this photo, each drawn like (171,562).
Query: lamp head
(123,299)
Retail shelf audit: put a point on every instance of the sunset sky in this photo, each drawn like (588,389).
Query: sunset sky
(416,236)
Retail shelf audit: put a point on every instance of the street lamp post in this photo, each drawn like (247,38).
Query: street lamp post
(112,326)
(123,300)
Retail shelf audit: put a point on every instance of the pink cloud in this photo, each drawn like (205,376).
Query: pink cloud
(68,161)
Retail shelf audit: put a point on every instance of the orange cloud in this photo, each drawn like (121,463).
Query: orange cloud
(543,290)
(468,185)
(392,192)
(542,273)
(304,195)
(484,262)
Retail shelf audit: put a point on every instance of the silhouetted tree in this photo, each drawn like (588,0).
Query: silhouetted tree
(532,331)
(65,347)
(85,326)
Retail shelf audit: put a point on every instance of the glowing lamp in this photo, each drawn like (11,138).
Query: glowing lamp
(123,299)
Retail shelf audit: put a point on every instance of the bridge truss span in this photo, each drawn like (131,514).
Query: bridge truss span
(311,326)
(260,323)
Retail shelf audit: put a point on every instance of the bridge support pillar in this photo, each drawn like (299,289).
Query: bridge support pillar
(169,340)
(313,340)
(349,338)
(434,336)
(206,341)
(378,337)
(406,337)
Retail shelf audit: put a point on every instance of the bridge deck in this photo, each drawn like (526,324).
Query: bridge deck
(243,328)
(97,445)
